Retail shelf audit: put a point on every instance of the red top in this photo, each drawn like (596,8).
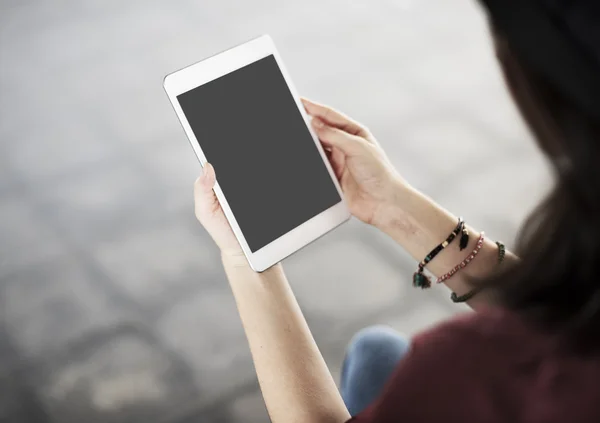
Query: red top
(488,367)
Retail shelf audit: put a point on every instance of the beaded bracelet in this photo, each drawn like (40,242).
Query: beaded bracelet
(466,297)
(501,251)
(421,280)
(465,262)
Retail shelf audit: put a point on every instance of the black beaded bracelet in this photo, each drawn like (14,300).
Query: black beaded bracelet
(466,297)
(501,251)
(420,280)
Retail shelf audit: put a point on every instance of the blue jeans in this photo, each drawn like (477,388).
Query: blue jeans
(370,360)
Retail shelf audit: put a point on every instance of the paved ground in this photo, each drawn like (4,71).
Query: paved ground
(114,307)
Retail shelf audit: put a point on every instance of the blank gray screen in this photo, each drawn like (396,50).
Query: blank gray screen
(267,164)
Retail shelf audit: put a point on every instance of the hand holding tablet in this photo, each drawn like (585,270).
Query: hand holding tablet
(273,180)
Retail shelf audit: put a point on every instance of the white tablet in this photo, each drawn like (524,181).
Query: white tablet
(241,113)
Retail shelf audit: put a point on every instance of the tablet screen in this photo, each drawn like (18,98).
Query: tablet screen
(266,161)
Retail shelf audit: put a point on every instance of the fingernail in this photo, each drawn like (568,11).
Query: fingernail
(318,123)
(205,170)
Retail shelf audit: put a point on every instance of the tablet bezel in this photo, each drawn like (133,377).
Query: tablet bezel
(222,64)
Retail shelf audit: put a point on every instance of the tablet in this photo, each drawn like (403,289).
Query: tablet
(241,113)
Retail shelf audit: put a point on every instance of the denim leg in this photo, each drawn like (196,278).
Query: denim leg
(370,360)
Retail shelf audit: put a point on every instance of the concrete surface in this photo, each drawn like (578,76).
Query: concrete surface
(114,306)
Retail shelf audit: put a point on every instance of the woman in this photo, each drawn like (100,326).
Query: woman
(531,353)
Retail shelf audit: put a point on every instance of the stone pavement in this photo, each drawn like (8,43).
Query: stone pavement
(114,307)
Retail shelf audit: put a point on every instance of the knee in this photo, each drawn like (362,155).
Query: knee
(375,341)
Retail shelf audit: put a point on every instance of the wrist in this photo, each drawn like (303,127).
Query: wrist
(393,209)
(234,258)
(238,260)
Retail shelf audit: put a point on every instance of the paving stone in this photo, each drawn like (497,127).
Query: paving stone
(459,70)
(175,161)
(490,202)
(250,408)
(119,376)
(146,117)
(464,146)
(50,304)
(157,265)
(218,414)
(342,278)
(19,401)
(10,185)
(25,238)
(206,331)
(176,166)
(55,146)
(467,82)
(421,318)
(100,204)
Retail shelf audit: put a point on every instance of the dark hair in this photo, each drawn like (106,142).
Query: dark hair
(556,284)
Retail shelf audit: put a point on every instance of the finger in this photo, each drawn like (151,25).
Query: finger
(334,118)
(334,137)
(338,162)
(207,179)
(205,198)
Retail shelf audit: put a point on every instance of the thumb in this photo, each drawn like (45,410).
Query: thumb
(349,144)
(208,178)
(204,196)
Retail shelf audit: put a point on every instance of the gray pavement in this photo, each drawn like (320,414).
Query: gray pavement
(114,306)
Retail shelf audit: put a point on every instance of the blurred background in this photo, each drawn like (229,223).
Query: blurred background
(114,306)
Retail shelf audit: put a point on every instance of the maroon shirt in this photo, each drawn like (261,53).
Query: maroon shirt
(489,367)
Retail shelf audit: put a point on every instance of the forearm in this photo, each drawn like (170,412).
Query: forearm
(418,224)
(295,381)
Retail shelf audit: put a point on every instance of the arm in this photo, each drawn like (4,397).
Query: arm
(377,195)
(418,224)
(294,379)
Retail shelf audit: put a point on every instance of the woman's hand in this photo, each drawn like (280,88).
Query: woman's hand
(211,216)
(368,179)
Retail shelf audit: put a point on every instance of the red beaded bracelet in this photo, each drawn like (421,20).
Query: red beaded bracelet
(465,262)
